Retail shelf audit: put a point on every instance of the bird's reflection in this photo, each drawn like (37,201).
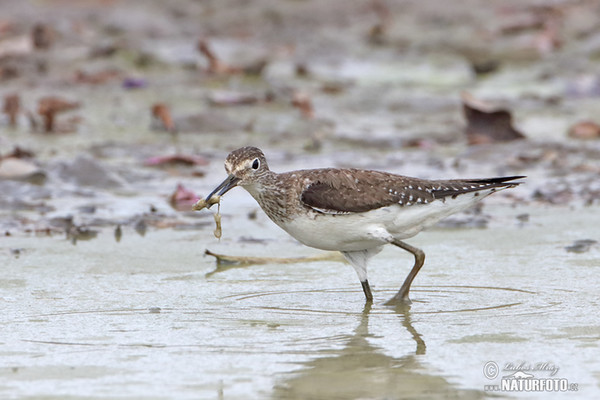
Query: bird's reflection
(361,369)
(403,311)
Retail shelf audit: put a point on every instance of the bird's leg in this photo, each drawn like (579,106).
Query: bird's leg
(367,290)
(358,260)
(402,295)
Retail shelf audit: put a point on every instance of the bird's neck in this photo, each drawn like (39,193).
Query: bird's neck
(266,184)
(270,196)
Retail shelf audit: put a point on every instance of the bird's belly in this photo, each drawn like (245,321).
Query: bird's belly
(342,232)
(366,230)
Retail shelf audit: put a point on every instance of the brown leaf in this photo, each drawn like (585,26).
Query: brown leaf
(12,104)
(303,102)
(215,66)
(161,112)
(96,78)
(218,67)
(585,130)
(42,36)
(487,124)
(182,198)
(175,159)
(49,106)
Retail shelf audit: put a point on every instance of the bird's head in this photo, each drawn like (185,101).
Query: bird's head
(244,167)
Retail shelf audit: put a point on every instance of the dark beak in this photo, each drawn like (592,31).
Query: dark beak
(223,188)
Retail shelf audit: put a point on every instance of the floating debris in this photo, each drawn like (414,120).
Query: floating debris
(16,252)
(141,227)
(118,233)
(77,233)
(581,246)
(227,259)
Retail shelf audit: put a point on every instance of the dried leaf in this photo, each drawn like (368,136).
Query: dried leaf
(215,66)
(182,198)
(176,159)
(12,104)
(222,258)
(585,130)
(49,106)
(161,112)
(303,102)
(42,36)
(96,78)
(487,124)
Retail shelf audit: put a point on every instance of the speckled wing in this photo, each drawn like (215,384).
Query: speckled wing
(338,191)
(342,191)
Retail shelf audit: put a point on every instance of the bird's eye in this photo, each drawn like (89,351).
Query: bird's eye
(255,163)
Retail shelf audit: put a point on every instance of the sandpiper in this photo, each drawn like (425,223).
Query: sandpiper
(353,211)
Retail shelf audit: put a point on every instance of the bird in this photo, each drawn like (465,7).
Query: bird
(353,211)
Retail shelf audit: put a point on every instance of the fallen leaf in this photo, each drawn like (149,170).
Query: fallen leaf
(96,78)
(175,159)
(162,113)
(585,130)
(12,104)
(303,102)
(49,107)
(226,259)
(182,198)
(215,66)
(230,98)
(581,246)
(42,36)
(218,67)
(486,123)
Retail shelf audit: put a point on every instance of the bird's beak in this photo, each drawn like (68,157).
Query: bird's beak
(223,188)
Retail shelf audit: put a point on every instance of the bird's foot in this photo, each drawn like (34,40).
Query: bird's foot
(398,301)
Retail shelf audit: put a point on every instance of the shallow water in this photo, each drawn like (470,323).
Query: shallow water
(140,318)
(153,317)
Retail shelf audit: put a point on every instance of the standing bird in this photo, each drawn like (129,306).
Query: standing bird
(353,211)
